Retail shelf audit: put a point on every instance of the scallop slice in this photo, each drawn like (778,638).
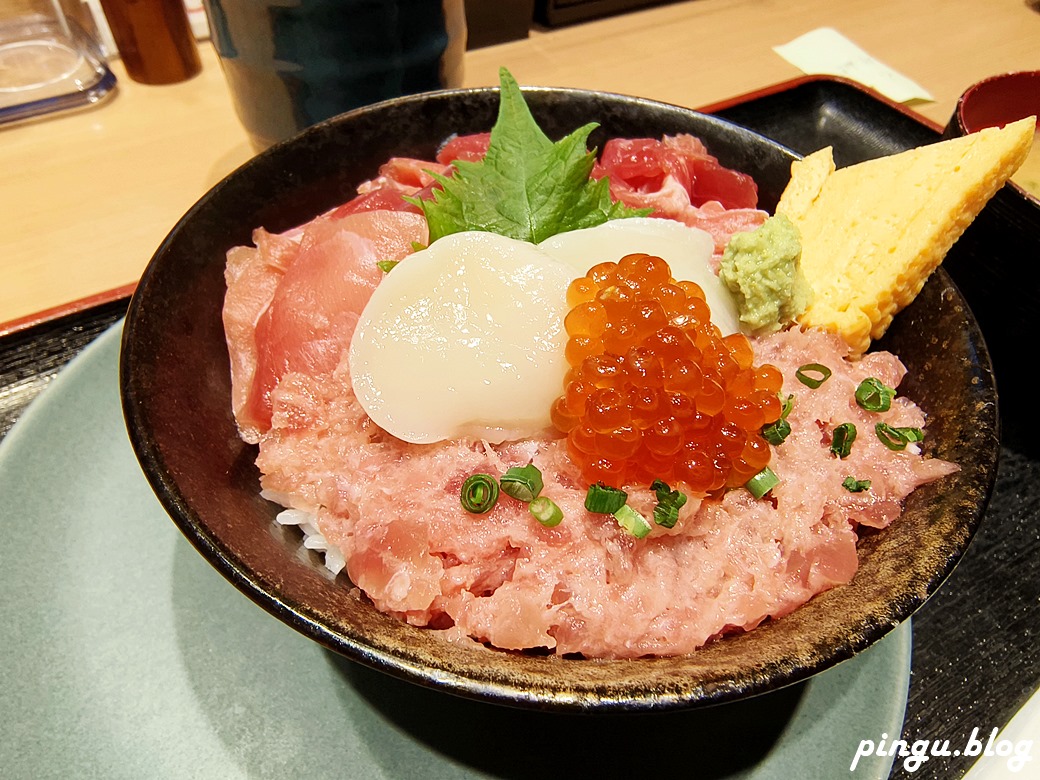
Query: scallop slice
(687,251)
(464,339)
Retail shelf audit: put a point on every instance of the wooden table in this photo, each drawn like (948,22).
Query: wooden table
(86,198)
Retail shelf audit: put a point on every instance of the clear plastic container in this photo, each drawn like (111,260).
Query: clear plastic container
(49,61)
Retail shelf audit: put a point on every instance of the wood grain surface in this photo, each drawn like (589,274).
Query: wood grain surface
(86,198)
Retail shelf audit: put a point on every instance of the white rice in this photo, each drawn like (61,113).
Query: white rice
(312,537)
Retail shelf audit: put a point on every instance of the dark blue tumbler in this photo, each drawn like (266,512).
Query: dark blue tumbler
(292,63)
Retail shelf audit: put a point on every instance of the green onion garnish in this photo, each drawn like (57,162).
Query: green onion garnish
(523,483)
(604,499)
(762,482)
(813,374)
(546,511)
(841,444)
(897,438)
(854,485)
(669,502)
(632,521)
(479,493)
(386,266)
(778,432)
(874,396)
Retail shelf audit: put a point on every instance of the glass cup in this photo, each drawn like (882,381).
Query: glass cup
(50,59)
(292,63)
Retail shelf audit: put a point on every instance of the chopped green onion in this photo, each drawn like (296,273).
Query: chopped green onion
(841,444)
(546,511)
(874,396)
(669,502)
(386,266)
(666,515)
(778,432)
(632,521)
(854,485)
(813,374)
(479,493)
(762,482)
(604,499)
(523,483)
(897,438)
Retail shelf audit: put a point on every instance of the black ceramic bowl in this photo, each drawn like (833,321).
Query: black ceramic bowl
(176,398)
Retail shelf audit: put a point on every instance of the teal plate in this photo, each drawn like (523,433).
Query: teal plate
(126,655)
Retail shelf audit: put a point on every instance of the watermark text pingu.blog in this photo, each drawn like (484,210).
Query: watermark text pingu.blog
(915,753)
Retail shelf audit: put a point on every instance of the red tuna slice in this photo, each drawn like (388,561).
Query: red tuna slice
(252,275)
(677,179)
(410,173)
(640,167)
(398,177)
(401,176)
(393,234)
(471,147)
(709,180)
(386,198)
(316,305)
(721,223)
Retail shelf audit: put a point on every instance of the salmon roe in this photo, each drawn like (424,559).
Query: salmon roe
(654,390)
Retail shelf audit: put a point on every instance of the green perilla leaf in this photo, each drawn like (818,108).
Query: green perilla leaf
(527,187)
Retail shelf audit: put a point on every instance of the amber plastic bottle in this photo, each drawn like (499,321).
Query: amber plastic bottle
(154,39)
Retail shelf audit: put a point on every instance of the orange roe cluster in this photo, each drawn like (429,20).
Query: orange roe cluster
(654,390)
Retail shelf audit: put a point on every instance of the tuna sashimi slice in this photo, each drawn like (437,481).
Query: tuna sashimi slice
(292,303)
(677,179)
(252,275)
(640,167)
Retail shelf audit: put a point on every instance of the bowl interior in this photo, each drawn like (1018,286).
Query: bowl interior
(176,397)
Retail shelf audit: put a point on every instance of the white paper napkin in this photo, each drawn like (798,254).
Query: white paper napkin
(825,51)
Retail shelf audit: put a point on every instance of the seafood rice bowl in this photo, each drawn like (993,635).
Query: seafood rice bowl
(361,537)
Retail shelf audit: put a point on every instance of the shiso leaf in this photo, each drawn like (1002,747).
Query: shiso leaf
(527,187)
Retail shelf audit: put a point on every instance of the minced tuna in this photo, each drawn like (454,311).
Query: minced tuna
(586,586)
